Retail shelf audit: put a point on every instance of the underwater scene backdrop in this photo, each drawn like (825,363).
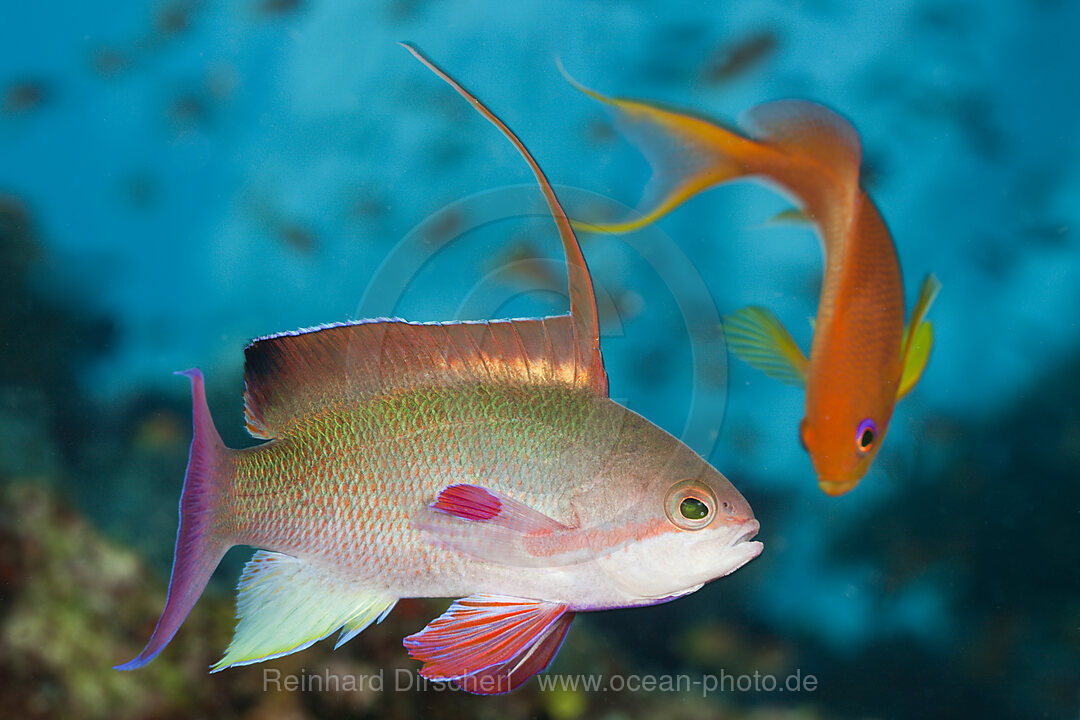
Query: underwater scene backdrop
(179,177)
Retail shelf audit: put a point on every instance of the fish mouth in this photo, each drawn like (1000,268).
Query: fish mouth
(749,529)
(836,488)
(741,549)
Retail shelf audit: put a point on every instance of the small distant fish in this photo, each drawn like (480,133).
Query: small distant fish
(175,17)
(367,202)
(297,236)
(188,111)
(279,7)
(447,225)
(293,232)
(141,190)
(24,97)
(109,62)
(863,358)
(526,264)
(741,56)
(481,460)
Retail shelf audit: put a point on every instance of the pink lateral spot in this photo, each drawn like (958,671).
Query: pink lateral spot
(468,502)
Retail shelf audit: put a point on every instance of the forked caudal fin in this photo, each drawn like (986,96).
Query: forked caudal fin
(198,546)
(799,145)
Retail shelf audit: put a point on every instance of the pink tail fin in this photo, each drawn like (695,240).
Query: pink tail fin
(198,547)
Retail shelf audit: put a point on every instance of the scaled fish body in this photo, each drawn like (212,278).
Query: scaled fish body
(862,358)
(478,460)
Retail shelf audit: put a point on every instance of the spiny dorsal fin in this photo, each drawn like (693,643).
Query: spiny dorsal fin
(291,375)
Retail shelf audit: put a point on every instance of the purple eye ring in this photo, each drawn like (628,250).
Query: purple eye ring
(865,436)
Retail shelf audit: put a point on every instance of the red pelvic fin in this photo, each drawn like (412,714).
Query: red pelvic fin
(490,644)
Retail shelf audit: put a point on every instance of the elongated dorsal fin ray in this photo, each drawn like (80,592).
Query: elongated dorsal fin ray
(582,297)
(285,604)
(688,154)
(758,338)
(291,375)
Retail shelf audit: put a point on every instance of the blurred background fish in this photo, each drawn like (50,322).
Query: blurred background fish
(863,357)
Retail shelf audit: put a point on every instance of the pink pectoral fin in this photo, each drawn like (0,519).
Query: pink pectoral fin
(491,526)
(490,644)
(472,502)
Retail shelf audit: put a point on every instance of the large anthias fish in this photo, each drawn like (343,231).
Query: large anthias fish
(478,460)
(863,358)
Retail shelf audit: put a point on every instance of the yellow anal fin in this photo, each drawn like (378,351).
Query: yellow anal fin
(917,343)
(285,604)
(757,337)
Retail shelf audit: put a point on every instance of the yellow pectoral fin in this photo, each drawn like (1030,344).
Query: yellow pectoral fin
(928,291)
(918,353)
(758,338)
(916,345)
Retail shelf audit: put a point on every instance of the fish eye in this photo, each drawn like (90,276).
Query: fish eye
(693,509)
(865,436)
(690,504)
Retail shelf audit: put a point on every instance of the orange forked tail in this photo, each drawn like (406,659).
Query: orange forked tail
(198,546)
(804,147)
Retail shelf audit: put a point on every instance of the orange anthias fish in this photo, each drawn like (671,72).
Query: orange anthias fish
(479,460)
(862,358)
